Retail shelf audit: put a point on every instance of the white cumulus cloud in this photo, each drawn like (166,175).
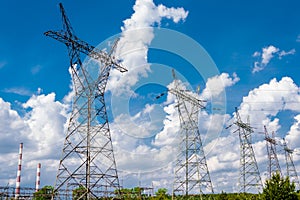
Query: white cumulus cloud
(137,34)
(262,105)
(41,130)
(217,84)
(294,134)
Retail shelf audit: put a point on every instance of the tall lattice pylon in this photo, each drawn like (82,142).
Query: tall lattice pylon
(290,167)
(249,180)
(87,169)
(273,165)
(191,171)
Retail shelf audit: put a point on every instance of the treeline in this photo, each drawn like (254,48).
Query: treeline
(276,188)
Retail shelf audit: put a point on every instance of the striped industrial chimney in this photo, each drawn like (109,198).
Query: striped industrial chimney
(19,172)
(38,175)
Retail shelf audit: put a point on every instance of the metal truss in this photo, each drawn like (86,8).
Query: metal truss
(87,164)
(290,167)
(191,171)
(273,166)
(249,179)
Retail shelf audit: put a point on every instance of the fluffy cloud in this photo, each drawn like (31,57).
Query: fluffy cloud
(144,124)
(136,154)
(141,144)
(267,54)
(262,105)
(138,141)
(137,34)
(46,121)
(148,158)
(145,153)
(42,127)
(294,134)
(217,84)
(269,99)
(171,126)
(13,130)
(41,130)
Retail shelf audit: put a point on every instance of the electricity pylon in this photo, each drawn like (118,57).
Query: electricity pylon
(290,167)
(87,165)
(273,166)
(191,171)
(249,174)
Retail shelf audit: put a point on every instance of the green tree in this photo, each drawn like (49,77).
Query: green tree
(279,188)
(137,192)
(44,193)
(223,196)
(126,193)
(161,193)
(131,193)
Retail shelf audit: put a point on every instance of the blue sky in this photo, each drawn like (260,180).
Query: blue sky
(230,32)
(235,34)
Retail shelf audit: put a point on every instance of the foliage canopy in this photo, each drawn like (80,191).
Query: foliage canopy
(279,188)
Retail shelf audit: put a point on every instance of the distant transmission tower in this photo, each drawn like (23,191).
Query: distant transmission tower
(191,171)
(87,167)
(273,166)
(290,167)
(249,173)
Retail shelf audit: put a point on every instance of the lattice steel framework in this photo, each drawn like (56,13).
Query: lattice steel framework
(87,162)
(290,167)
(191,171)
(273,166)
(249,179)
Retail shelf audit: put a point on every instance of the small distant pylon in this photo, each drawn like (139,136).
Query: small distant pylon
(290,167)
(249,179)
(273,166)
(191,171)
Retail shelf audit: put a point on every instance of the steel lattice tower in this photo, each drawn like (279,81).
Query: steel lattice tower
(87,164)
(249,174)
(273,166)
(191,171)
(290,167)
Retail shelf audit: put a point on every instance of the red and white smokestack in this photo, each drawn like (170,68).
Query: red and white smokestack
(38,175)
(18,181)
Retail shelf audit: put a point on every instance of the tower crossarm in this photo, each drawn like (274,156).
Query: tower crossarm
(244,126)
(187,97)
(68,37)
(271,140)
(85,48)
(288,150)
